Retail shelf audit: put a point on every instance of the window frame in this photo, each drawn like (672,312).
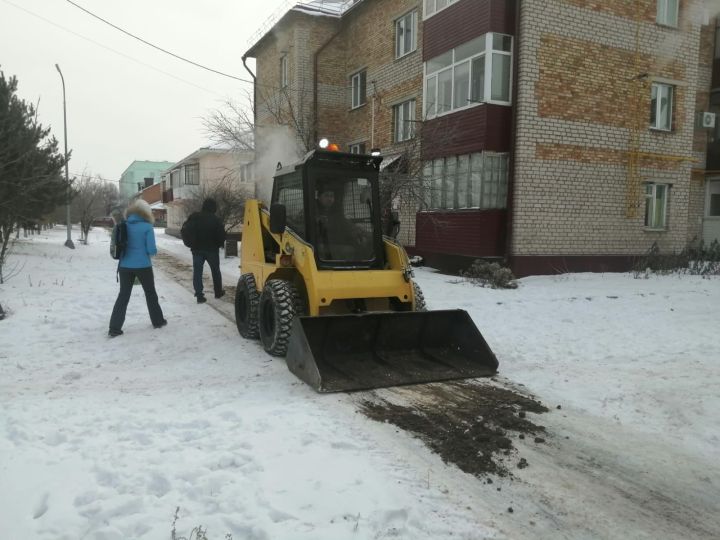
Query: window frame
(435,10)
(663,16)
(358,81)
(284,71)
(712,186)
(413,37)
(399,112)
(357,147)
(657,123)
(187,178)
(488,53)
(475,181)
(650,202)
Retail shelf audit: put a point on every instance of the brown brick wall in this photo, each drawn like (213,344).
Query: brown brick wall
(367,41)
(584,154)
(585,81)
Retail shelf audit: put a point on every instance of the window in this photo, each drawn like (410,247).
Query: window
(656,205)
(357,85)
(661,106)
(478,71)
(404,121)
(343,224)
(246,173)
(476,180)
(283,71)
(717,43)
(406,34)
(192,174)
(357,148)
(713,199)
(667,12)
(289,193)
(433,6)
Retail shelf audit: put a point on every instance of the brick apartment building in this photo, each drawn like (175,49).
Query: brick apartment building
(556,134)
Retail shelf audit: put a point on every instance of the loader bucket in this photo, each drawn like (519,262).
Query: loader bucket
(338,353)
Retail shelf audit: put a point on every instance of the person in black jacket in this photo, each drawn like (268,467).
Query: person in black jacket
(207,234)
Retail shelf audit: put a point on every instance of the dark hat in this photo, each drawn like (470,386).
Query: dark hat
(209,205)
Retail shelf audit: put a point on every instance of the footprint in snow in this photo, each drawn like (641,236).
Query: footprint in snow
(71,376)
(41,507)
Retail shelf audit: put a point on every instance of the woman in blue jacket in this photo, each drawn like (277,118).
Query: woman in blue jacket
(135,263)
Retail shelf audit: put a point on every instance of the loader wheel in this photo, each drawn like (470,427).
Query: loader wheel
(280,303)
(247,300)
(420,304)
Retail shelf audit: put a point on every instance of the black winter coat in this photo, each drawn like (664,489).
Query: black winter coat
(209,232)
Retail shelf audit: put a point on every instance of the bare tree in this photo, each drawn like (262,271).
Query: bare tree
(94,197)
(232,125)
(230,196)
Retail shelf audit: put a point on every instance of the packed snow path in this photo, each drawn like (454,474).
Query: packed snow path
(103,439)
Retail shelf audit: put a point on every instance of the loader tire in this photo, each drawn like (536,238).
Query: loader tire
(280,303)
(247,300)
(420,304)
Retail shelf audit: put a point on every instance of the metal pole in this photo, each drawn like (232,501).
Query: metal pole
(68,242)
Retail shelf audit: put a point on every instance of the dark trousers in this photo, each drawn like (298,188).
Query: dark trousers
(213,260)
(147,280)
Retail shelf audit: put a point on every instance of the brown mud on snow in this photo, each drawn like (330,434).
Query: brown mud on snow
(469,424)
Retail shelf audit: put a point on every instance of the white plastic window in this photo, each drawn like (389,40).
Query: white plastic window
(357,86)
(404,115)
(479,71)
(667,13)
(406,34)
(656,206)
(661,106)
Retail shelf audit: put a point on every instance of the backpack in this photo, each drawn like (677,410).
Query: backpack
(188,233)
(118,240)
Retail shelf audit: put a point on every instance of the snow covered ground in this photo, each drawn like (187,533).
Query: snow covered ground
(103,439)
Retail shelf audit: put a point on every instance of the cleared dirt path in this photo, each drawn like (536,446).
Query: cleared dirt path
(536,470)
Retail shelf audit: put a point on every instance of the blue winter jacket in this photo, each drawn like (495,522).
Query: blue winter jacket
(141,243)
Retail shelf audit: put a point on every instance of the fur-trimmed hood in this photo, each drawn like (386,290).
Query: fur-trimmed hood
(140,208)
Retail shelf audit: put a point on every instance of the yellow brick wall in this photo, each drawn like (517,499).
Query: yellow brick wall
(581,72)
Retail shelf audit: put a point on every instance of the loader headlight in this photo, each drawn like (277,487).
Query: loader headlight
(325,144)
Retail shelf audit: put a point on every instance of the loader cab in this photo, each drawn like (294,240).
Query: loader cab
(332,202)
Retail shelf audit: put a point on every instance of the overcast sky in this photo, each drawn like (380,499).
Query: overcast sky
(125,100)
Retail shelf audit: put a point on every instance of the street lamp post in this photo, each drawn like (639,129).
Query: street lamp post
(68,242)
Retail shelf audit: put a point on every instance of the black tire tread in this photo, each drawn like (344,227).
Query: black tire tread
(287,304)
(247,283)
(420,304)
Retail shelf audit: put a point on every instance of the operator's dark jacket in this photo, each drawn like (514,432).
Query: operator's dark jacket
(209,230)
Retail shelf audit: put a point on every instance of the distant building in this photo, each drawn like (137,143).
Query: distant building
(153,195)
(139,175)
(198,173)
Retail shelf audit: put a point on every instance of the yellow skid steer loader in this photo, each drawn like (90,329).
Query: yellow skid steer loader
(322,286)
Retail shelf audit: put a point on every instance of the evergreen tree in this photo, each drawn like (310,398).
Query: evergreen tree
(31,183)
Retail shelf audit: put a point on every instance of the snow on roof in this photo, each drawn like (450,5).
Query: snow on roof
(327,8)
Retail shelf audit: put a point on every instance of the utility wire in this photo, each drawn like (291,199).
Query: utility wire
(155,46)
(112,50)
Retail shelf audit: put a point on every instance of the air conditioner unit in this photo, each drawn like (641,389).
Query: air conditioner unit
(706,120)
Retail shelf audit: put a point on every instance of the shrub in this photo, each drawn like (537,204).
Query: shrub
(695,259)
(489,274)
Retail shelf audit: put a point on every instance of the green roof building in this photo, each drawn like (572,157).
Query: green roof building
(141,174)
